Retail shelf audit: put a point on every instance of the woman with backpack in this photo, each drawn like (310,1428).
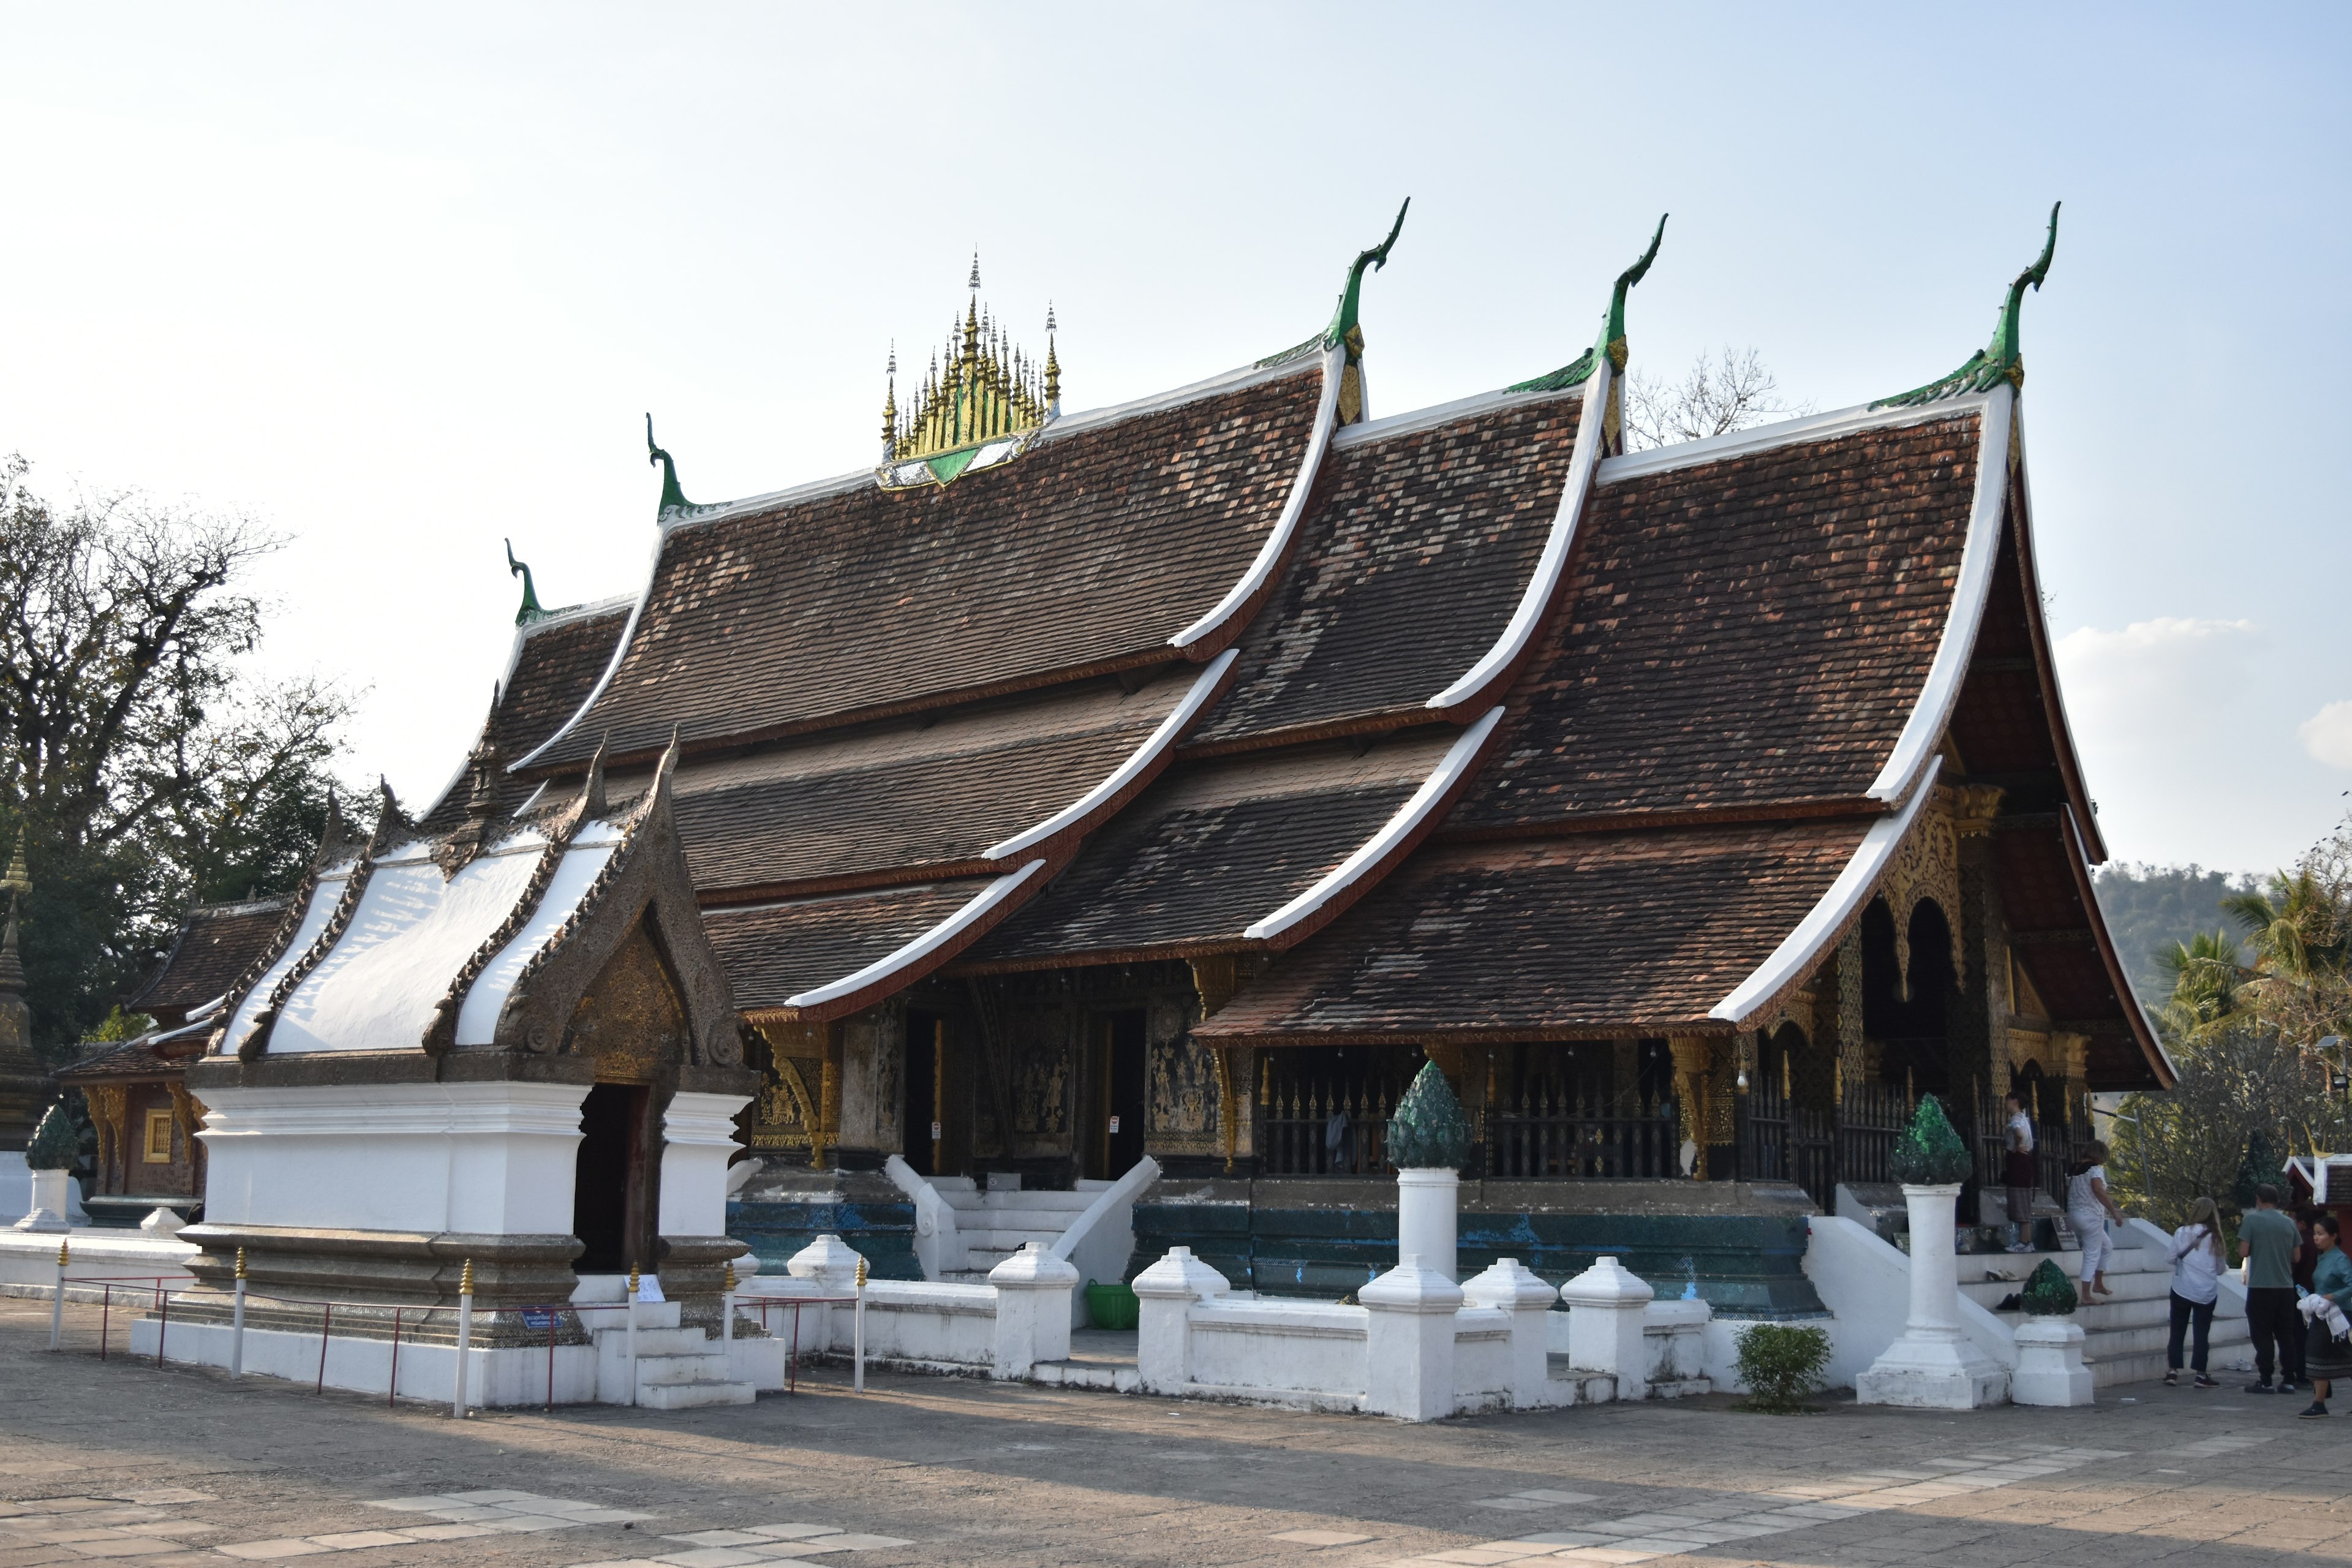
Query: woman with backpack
(2197,1264)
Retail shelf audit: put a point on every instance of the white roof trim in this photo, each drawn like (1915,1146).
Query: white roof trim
(1179,718)
(1450,770)
(1800,949)
(923,946)
(1420,419)
(1545,581)
(1924,729)
(1277,540)
(698,513)
(1764,437)
(612,665)
(1227,381)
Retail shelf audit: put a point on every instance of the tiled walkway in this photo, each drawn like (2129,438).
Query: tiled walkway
(174,1467)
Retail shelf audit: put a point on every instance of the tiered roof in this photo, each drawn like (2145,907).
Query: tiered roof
(1493,729)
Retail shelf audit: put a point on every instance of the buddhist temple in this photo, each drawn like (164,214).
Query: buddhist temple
(1173,779)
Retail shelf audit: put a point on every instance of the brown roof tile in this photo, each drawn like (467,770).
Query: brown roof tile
(1411,557)
(773,951)
(555,667)
(1592,934)
(1212,848)
(901,796)
(214,944)
(1744,633)
(1089,550)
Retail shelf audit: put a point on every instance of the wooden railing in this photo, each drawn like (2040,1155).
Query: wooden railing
(1566,1136)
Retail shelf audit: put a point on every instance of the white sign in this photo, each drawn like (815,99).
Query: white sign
(935,1131)
(1114,1124)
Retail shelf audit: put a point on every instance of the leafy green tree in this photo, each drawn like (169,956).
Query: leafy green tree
(142,762)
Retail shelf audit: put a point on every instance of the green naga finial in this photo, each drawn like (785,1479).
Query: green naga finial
(1928,1154)
(672,498)
(1342,329)
(2048,1292)
(2000,360)
(1612,342)
(531,610)
(1429,1130)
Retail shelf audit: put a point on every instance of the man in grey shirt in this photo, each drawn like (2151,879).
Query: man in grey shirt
(2267,1241)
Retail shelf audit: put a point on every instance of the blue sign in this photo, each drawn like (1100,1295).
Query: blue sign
(538,1316)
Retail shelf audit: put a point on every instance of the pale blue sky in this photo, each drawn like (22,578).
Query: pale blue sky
(403,283)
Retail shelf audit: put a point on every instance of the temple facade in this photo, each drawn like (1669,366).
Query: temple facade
(1173,780)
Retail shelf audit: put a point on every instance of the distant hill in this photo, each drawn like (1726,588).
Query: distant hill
(2149,908)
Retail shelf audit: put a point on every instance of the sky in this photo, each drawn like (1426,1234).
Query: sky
(402,283)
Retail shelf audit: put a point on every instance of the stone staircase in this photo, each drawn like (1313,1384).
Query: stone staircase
(2124,1334)
(677,1368)
(996,1221)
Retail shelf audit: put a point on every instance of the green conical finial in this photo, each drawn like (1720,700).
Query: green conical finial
(1429,1130)
(1928,1154)
(2000,360)
(55,1145)
(1612,342)
(1343,320)
(531,610)
(2048,1292)
(672,498)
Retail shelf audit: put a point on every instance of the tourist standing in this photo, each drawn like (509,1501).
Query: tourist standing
(2267,1243)
(2017,1174)
(2324,1356)
(2088,1209)
(2197,1264)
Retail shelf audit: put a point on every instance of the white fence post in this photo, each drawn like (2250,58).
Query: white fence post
(1033,1309)
(726,1307)
(1409,1342)
(1515,1289)
(858,1327)
(237,1322)
(1164,1295)
(1605,1304)
(57,1304)
(632,1333)
(465,1336)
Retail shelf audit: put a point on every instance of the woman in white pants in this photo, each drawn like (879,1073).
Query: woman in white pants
(2088,1209)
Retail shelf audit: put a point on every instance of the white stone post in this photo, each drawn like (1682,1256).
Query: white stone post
(632,1333)
(1164,1296)
(57,1301)
(727,1283)
(1515,1289)
(2050,1369)
(50,1204)
(858,1332)
(1935,1366)
(465,1336)
(237,1322)
(1605,1304)
(1408,1343)
(1033,1309)
(1426,1203)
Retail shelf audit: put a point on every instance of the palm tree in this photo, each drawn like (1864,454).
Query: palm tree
(2300,932)
(2208,977)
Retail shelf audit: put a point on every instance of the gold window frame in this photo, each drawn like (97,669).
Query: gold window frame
(157,1148)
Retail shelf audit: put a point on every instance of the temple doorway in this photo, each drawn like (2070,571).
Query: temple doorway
(1114,1141)
(612,1200)
(923,1131)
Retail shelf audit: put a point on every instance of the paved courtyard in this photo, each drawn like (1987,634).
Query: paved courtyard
(174,1466)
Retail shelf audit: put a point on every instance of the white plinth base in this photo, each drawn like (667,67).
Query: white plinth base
(16,1186)
(503,1376)
(52,1207)
(1933,1373)
(2050,1369)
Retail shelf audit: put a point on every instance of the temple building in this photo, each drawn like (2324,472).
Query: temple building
(1173,779)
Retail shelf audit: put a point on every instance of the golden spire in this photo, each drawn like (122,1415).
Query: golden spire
(980,387)
(890,406)
(1053,367)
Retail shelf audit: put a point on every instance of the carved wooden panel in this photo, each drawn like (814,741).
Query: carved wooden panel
(631,1018)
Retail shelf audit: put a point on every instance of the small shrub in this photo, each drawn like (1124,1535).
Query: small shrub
(1781,1364)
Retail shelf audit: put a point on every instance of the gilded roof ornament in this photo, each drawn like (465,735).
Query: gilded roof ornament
(1345,329)
(530,609)
(981,404)
(1999,360)
(1612,342)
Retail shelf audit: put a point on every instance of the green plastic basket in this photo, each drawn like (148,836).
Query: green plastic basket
(1112,1306)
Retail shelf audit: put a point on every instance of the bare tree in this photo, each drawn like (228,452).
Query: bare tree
(1714,397)
(141,763)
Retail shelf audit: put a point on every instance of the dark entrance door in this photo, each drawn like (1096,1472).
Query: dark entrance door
(611,1198)
(1118,1132)
(922,1133)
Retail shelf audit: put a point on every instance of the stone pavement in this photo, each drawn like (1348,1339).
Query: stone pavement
(179,1467)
